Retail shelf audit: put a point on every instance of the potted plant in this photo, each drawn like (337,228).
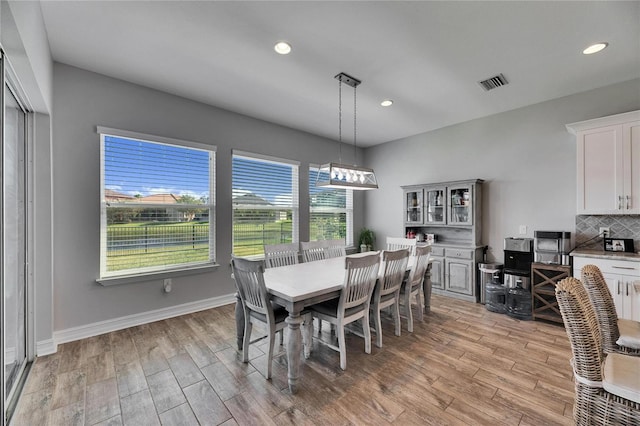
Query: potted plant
(366,239)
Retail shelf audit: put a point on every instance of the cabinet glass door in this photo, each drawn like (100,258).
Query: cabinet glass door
(413,206)
(460,205)
(435,205)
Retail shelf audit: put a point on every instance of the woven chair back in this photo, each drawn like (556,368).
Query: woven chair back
(603,304)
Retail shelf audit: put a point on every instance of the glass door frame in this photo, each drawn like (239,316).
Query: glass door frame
(10,82)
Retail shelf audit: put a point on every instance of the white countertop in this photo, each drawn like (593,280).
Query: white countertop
(601,254)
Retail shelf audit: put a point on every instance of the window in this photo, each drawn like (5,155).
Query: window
(330,211)
(265,202)
(157,204)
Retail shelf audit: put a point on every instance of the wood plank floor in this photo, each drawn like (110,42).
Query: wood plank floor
(463,365)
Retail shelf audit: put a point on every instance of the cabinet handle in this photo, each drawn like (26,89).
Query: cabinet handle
(628,202)
(627,289)
(618,287)
(619,202)
(624,267)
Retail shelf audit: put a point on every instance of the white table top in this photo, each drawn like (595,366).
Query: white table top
(301,281)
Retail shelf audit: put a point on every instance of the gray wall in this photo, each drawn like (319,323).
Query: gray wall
(526,156)
(83,100)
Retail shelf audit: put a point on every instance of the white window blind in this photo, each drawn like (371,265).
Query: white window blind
(330,211)
(265,202)
(157,204)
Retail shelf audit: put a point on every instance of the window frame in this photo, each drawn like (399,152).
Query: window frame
(143,274)
(295,193)
(348,210)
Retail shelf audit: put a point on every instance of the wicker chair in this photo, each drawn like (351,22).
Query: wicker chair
(397,243)
(280,255)
(387,290)
(611,327)
(413,285)
(604,394)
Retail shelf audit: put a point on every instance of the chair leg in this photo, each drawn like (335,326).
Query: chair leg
(367,332)
(272,338)
(342,347)
(396,317)
(419,303)
(307,332)
(378,327)
(247,337)
(407,303)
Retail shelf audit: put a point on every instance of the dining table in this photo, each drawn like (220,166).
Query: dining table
(296,287)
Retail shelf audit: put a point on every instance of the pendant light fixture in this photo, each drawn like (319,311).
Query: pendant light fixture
(339,175)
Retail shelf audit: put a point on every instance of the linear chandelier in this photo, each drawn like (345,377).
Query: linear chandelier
(340,175)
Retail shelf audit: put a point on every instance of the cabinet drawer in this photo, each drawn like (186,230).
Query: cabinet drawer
(437,251)
(459,253)
(607,266)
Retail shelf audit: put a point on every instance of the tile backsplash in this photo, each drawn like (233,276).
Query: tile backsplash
(588,226)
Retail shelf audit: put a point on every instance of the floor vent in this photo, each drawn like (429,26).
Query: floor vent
(493,82)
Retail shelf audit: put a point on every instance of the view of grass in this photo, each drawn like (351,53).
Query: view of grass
(144,244)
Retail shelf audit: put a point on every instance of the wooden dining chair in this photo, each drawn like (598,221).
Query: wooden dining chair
(280,254)
(397,243)
(313,250)
(607,388)
(334,248)
(618,334)
(248,275)
(355,298)
(413,284)
(387,289)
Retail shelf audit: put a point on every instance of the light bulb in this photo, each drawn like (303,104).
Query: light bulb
(340,176)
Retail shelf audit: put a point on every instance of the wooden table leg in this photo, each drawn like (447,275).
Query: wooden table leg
(426,288)
(294,347)
(239,322)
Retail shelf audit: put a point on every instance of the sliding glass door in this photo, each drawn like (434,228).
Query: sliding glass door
(13,212)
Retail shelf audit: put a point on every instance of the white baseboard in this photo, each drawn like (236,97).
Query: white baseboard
(46,347)
(97,328)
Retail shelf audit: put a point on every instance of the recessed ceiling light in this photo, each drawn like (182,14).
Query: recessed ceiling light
(282,47)
(595,48)
(386,102)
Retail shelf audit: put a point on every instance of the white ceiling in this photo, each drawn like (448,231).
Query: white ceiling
(426,56)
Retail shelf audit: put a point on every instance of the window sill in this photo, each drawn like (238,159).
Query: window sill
(151,276)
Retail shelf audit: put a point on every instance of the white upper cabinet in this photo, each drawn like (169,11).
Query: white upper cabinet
(608,164)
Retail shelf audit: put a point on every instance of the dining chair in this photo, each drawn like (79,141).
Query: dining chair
(397,243)
(413,284)
(387,290)
(618,334)
(335,248)
(361,273)
(313,250)
(248,275)
(280,254)
(607,386)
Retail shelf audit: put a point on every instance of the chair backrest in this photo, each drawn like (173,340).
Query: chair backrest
(280,255)
(248,275)
(419,267)
(581,326)
(335,248)
(603,306)
(313,250)
(397,243)
(360,278)
(395,267)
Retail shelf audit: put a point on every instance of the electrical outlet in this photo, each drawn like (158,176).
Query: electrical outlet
(604,232)
(523,229)
(167,285)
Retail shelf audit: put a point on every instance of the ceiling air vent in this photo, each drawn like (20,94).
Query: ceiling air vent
(493,82)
